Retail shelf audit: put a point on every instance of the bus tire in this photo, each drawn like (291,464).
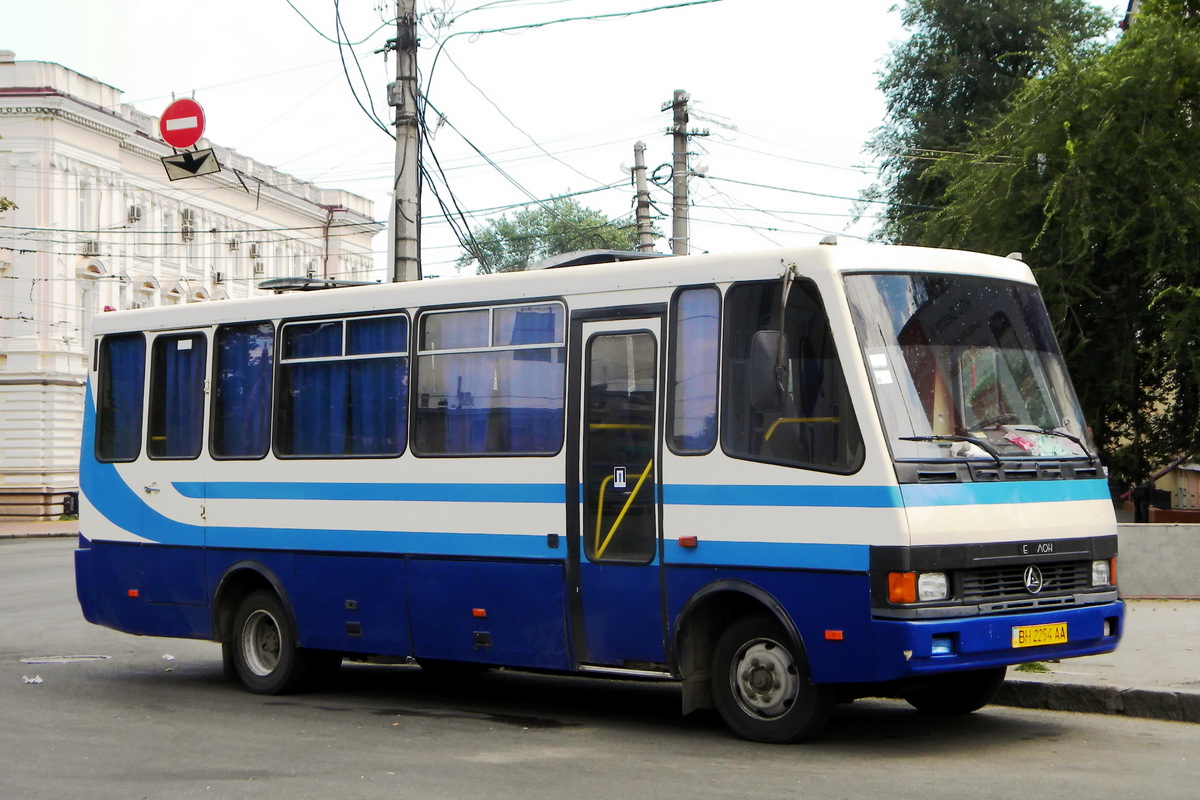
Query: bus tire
(762,686)
(263,643)
(957,693)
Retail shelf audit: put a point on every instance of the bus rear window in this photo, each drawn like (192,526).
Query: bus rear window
(122,380)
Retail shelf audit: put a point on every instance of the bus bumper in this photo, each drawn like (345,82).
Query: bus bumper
(909,649)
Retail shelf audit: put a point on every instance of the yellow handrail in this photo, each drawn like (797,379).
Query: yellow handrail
(600,510)
(629,502)
(790,420)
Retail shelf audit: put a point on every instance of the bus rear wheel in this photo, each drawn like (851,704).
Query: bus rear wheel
(263,648)
(957,693)
(761,683)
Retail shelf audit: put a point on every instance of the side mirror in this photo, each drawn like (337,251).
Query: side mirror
(765,391)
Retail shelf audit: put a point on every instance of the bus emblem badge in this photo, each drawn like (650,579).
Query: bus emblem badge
(1033,579)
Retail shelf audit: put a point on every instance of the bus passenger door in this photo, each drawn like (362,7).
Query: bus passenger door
(616,598)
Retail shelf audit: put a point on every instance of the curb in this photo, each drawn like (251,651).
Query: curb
(38,535)
(1146,703)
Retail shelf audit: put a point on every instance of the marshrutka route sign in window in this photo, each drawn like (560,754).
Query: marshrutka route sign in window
(182,124)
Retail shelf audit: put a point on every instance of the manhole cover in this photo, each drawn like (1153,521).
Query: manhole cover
(62,659)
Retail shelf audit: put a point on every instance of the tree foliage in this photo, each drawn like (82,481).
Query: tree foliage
(554,227)
(961,63)
(1093,173)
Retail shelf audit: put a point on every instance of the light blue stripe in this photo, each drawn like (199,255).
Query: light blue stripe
(1003,493)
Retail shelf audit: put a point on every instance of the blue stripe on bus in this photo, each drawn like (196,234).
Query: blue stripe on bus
(425,492)
(913,495)
(811,496)
(845,557)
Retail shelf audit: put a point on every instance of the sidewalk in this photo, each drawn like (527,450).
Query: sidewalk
(1154,673)
(24,530)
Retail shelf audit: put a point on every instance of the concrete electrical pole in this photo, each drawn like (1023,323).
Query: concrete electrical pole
(679,211)
(681,172)
(406,206)
(644,225)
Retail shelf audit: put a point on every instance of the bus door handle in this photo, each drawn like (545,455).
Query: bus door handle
(152,489)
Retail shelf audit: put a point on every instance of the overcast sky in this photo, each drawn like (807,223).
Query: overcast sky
(786,88)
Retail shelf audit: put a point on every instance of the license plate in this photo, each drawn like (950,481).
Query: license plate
(1038,635)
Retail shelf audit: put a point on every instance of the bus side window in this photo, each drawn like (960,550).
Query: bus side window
(343,387)
(176,418)
(243,357)
(121,382)
(490,381)
(815,426)
(695,336)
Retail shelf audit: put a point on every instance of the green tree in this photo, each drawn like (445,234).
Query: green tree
(962,62)
(554,227)
(1092,173)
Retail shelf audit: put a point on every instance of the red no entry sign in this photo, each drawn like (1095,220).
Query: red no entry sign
(182,124)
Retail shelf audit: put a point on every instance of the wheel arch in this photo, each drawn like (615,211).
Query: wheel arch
(239,580)
(699,624)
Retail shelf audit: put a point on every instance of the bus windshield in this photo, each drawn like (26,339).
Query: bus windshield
(965,367)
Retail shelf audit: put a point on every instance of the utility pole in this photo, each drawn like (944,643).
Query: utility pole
(406,205)
(679,219)
(645,226)
(680,172)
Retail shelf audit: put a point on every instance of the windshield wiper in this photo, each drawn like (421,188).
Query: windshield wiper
(1061,434)
(980,443)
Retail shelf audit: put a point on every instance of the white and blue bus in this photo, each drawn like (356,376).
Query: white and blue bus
(785,479)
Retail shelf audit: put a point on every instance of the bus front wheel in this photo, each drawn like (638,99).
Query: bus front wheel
(957,693)
(761,683)
(263,644)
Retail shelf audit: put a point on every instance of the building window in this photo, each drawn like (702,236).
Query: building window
(491,381)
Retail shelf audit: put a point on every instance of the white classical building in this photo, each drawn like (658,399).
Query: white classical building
(98,226)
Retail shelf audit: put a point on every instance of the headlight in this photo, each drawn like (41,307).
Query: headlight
(1101,573)
(935,586)
(917,587)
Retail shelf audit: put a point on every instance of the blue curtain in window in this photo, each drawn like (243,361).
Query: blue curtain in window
(242,394)
(533,399)
(345,406)
(183,397)
(315,395)
(119,424)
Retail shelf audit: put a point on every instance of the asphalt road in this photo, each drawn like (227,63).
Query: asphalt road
(138,724)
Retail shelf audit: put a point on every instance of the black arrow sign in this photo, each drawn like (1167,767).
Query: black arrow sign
(191,164)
